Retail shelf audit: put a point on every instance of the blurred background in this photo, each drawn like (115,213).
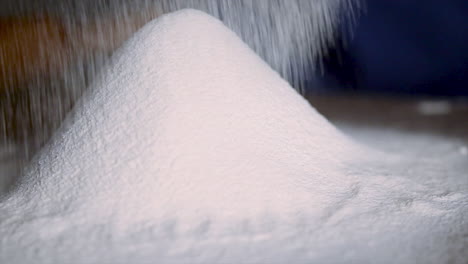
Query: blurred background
(402,47)
(398,47)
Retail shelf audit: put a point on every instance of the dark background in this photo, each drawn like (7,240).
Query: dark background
(403,47)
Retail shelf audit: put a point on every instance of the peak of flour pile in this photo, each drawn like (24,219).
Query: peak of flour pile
(190,148)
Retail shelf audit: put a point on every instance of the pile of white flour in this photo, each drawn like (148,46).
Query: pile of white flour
(190,149)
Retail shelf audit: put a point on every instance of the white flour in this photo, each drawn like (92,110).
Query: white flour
(191,149)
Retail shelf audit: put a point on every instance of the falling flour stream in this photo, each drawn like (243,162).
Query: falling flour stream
(189,148)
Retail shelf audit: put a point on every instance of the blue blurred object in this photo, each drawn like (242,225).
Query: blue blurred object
(405,46)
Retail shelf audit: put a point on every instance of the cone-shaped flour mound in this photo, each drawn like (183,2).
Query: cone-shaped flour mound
(189,120)
(191,149)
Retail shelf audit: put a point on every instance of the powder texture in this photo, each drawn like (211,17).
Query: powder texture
(189,148)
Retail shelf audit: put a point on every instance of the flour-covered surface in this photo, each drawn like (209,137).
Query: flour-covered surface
(431,135)
(189,148)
